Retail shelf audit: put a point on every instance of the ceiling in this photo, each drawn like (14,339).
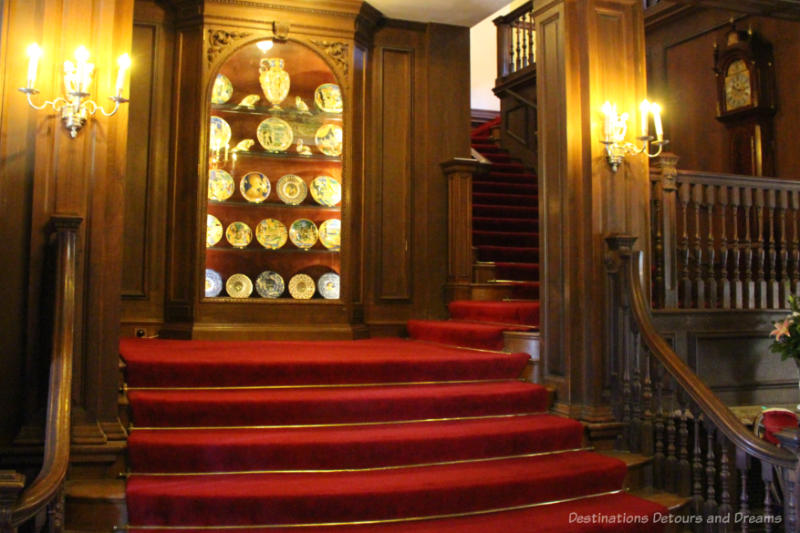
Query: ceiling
(456,12)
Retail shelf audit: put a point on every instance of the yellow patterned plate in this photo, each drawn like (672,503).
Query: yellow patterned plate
(213,231)
(328,98)
(301,287)
(275,134)
(330,234)
(239,234)
(329,139)
(239,286)
(292,189)
(325,190)
(255,187)
(271,233)
(220,185)
(220,134)
(303,233)
(222,90)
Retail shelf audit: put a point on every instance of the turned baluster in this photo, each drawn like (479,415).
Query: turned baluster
(658,230)
(760,249)
(711,507)
(518,41)
(773,295)
(659,459)
(697,248)
(767,476)
(522,30)
(684,486)
(711,280)
(743,465)
(532,35)
(697,470)
(789,499)
(636,393)
(747,243)
(685,287)
(671,464)
(736,255)
(724,281)
(783,251)
(626,388)
(646,441)
(794,247)
(725,506)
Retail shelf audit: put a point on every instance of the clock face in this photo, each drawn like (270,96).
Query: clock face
(738,92)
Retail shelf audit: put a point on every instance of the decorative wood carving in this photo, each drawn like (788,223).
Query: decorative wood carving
(219,40)
(338,51)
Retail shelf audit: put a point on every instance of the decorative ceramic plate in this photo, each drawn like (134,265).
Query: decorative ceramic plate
(239,234)
(329,139)
(271,233)
(220,134)
(292,189)
(213,283)
(303,233)
(255,187)
(239,286)
(222,91)
(328,98)
(270,284)
(220,185)
(325,190)
(328,286)
(301,287)
(213,230)
(330,234)
(275,134)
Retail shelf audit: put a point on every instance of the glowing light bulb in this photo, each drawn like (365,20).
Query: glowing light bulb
(124,63)
(656,110)
(644,112)
(265,46)
(34,53)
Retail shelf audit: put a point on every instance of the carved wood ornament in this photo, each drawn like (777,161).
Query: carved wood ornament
(219,40)
(338,51)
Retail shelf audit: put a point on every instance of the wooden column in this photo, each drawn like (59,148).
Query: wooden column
(589,51)
(81,176)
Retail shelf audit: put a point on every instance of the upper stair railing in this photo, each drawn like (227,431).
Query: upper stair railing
(723,241)
(699,447)
(17,505)
(516,41)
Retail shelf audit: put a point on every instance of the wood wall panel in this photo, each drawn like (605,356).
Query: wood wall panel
(397,160)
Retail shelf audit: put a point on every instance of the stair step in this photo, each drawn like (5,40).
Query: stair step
(488,148)
(460,333)
(263,407)
(515,211)
(376,495)
(505,199)
(516,254)
(348,447)
(161,362)
(526,313)
(510,238)
(504,187)
(505,224)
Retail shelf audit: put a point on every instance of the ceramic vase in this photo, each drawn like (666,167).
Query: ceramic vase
(274,81)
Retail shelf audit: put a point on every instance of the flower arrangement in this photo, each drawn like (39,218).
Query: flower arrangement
(787,334)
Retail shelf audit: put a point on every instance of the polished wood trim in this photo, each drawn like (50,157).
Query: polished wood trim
(713,408)
(49,482)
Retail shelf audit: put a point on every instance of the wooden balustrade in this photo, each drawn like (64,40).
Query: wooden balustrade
(700,448)
(723,241)
(516,41)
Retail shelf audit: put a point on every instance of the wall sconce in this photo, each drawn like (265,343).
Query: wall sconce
(615,127)
(75,107)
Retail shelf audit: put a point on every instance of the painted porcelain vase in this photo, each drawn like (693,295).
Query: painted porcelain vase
(274,81)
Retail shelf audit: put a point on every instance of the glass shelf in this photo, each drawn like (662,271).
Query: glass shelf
(286,155)
(287,114)
(267,250)
(274,205)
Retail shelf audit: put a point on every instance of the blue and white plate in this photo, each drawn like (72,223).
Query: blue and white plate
(270,284)
(328,286)
(213,283)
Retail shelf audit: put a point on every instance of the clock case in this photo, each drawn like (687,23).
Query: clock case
(750,127)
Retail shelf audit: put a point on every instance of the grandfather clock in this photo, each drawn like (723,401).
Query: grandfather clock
(745,78)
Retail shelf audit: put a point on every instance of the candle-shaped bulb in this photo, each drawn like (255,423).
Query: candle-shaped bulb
(34,53)
(124,63)
(656,110)
(610,116)
(644,113)
(82,68)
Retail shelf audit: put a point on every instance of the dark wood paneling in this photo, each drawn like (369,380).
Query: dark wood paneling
(397,160)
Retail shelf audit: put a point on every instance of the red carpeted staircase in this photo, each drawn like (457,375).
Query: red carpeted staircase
(505,236)
(380,435)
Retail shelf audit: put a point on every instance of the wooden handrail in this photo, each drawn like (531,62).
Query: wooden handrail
(49,483)
(514,15)
(711,406)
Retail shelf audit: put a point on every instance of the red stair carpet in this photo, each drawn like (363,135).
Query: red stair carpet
(380,435)
(505,233)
